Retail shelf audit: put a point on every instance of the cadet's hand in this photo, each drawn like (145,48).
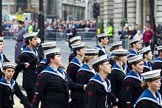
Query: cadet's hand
(84,87)
(115,106)
(26,64)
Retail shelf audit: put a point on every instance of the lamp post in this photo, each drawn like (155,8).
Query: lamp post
(41,21)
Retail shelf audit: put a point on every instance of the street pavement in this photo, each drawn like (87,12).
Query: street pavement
(9,51)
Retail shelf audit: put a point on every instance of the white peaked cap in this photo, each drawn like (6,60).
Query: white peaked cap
(91,52)
(120,52)
(9,65)
(144,50)
(1,39)
(152,75)
(69,34)
(102,35)
(55,51)
(117,43)
(135,58)
(134,40)
(99,59)
(49,44)
(159,47)
(78,45)
(32,34)
(75,38)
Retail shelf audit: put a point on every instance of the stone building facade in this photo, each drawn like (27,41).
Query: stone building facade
(136,11)
(62,9)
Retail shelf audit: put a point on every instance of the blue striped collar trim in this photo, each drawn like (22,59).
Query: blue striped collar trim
(76,62)
(97,79)
(85,67)
(4,82)
(133,75)
(147,95)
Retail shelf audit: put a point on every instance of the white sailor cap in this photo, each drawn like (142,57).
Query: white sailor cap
(9,65)
(102,35)
(78,45)
(134,40)
(152,75)
(117,43)
(51,44)
(32,34)
(91,52)
(99,60)
(159,47)
(135,58)
(69,34)
(55,51)
(1,39)
(144,50)
(74,39)
(120,52)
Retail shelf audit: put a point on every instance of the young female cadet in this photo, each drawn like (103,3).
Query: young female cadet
(73,68)
(53,84)
(131,87)
(150,98)
(102,42)
(73,40)
(98,92)
(86,72)
(27,61)
(114,46)
(9,87)
(147,57)
(118,73)
(42,65)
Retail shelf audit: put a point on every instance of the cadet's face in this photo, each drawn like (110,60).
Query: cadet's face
(9,73)
(1,46)
(81,52)
(138,67)
(155,85)
(149,56)
(106,67)
(58,60)
(34,42)
(138,45)
(124,59)
(105,41)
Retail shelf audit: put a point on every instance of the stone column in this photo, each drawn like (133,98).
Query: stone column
(105,14)
(131,11)
(139,12)
(158,11)
(118,15)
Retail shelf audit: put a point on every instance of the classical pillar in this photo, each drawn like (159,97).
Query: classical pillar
(131,11)
(139,12)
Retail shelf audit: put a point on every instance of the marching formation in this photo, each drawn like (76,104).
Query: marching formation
(93,79)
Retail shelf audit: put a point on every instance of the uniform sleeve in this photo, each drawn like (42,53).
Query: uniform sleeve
(113,81)
(1,96)
(74,86)
(5,58)
(21,96)
(127,92)
(72,71)
(81,78)
(90,96)
(40,87)
(40,67)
